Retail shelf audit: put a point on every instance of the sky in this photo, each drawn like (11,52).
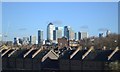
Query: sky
(21,19)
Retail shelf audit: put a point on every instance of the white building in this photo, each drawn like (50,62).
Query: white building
(50,29)
(84,35)
(33,40)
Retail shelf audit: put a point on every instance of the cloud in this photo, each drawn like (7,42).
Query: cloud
(57,22)
(102,29)
(84,27)
(22,29)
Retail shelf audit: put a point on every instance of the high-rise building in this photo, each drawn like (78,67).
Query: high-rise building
(66,31)
(57,33)
(50,29)
(79,35)
(84,35)
(32,39)
(40,37)
(69,33)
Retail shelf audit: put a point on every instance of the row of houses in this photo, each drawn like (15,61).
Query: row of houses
(62,59)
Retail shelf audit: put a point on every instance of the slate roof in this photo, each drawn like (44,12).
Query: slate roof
(6,55)
(30,54)
(19,53)
(41,54)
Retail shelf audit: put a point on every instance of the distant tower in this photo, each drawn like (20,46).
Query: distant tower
(84,35)
(57,33)
(77,36)
(40,36)
(69,33)
(66,31)
(32,40)
(50,29)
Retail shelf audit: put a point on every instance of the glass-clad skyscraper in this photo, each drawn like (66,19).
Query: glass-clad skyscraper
(50,29)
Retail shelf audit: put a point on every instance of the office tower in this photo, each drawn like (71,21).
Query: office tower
(40,37)
(84,35)
(30,41)
(79,35)
(33,39)
(50,29)
(57,33)
(66,31)
(69,33)
(25,40)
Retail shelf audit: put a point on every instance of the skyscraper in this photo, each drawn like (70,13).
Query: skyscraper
(50,29)
(66,31)
(79,35)
(69,33)
(40,36)
(32,39)
(57,33)
(84,35)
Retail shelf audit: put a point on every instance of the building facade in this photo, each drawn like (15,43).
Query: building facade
(69,33)
(50,29)
(40,37)
(57,33)
(84,35)
(33,39)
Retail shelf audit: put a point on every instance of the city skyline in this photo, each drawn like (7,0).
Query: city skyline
(25,19)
